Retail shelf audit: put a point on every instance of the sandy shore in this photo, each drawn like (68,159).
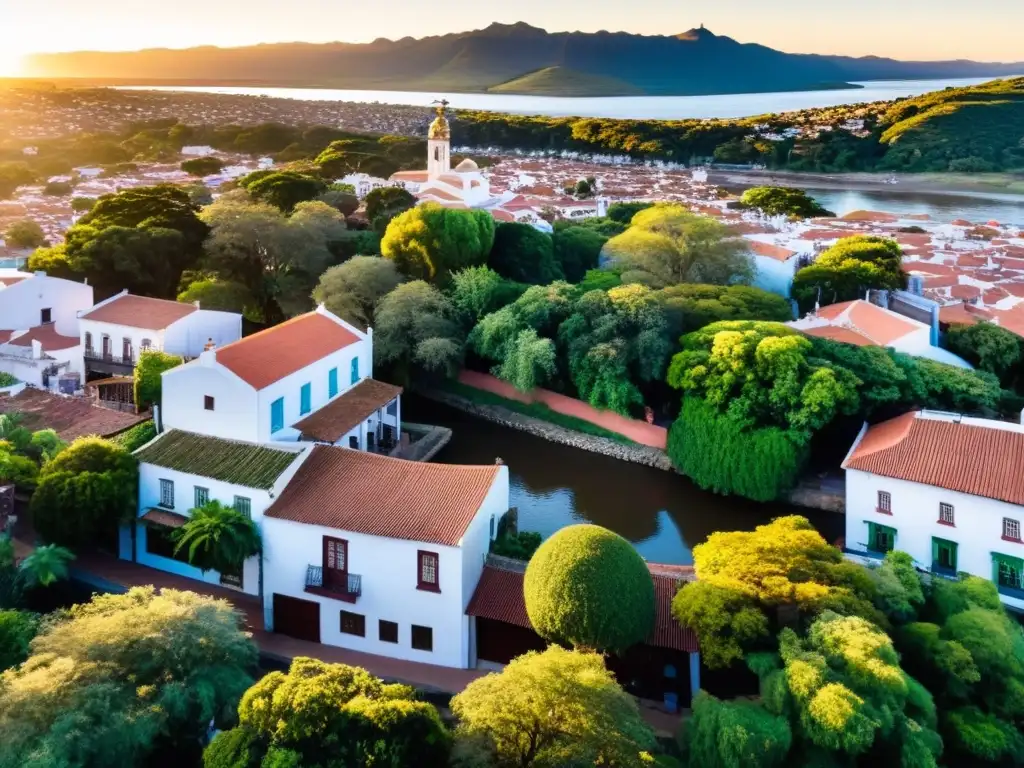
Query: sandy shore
(1002,186)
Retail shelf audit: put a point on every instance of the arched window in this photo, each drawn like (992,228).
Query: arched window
(437,154)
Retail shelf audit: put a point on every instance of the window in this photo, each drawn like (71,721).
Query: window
(277,415)
(126,349)
(332,382)
(881,538)
(426,577)
(88,343)
(885,502)
(946,513)
(388,631)
(353,442)
(207,403)
(1011,529)
(1008,572)
(355,370)
(944,556)
(146,344)
(243,505)
(305,399)
(232,578)
(45,316)
(353,623)
(422,638)
(491,535)
(160,543)
(202,497)
(167,494)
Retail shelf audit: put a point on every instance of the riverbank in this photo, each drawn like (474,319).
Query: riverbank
(1005,187)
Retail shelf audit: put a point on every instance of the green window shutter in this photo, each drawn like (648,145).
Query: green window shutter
(944,553)
(1007,571)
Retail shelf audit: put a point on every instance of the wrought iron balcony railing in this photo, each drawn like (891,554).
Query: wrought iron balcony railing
(330,583)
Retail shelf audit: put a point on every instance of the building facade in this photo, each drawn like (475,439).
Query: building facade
(944,488)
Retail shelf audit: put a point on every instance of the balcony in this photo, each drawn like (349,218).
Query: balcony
(106,362)
(338,585)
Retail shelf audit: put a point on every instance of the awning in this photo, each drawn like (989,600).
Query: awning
(164,518)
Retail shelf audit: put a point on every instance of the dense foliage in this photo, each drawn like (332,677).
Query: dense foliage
(202,166)
(352,290)
(84,493)
(783,201)
(556,708)
(848,269)
(691,306)
(331,716)
(24,234)
(148,375)
(734,734)
(128,680)
(17,628)
(417,333)
(988,347)
(524,254)
(430,242)
(23,452)
(588,587)
(217,538)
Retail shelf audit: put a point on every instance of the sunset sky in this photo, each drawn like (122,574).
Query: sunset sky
(987,30)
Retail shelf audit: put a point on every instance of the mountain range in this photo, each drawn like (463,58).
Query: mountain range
(509,58)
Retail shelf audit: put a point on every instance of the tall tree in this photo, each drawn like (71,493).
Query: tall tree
(666,245)
(783,201)
(25,234)
(848,269)
(385,203)
(524,254)
(430,242)
(352,290)
(416,333)
(286,189)
(217,538)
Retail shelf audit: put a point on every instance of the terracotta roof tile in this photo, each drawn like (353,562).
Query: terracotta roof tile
(838,333)
(969,458)
(776,252)
(47,336)
(140,312)
(164,517)
(877,325)
(499,596)
(379,496)
(963,314)
(71,417)
(965,291)
(12,280)
(334,420)
(270,355)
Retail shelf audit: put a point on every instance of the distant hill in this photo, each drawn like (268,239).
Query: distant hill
(509,58)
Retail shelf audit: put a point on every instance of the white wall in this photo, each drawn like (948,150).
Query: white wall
(234,401)
(316,375)
(117,335)
(388,568)
(19,362)
(21,304)
(774,275)
(189,335)
(978,527)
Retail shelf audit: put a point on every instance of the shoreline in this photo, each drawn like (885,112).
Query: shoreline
(1003,187)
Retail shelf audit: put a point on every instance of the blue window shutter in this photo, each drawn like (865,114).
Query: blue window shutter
(305,404)
(332,382)
(277,415)
(355,370)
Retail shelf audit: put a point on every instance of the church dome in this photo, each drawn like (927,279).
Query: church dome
(467,166)
(439,129)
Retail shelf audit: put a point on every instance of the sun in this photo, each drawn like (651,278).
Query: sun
(10,63)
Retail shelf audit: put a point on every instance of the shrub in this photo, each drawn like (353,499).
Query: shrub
(202,166)
(521,546)
(741,734)
(588,587)
(7,379)
(136,437)
(17,628)
(148,376)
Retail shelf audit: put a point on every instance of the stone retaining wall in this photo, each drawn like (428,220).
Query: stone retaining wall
(638,454)
(431,440)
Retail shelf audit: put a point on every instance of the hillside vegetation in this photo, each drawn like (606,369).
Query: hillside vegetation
(560,81)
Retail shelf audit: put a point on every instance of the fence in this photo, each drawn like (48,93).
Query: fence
(638,431)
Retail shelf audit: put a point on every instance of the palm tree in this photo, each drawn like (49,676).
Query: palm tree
(218,538)
(46,565)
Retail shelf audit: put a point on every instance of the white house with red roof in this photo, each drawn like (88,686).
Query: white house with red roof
(864,324)
(116,330)
(309,378)
(945,488)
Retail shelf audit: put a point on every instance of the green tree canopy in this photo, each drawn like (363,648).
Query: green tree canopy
(667,244)
(478,291)
(17,628)
(385,203)
(556,708)
(740,734)
(25,234)
(848,269)
(524,254)
(783,201)
(430,242)
(352,290)
(691,306)
(332,716)
(148,376)
(125,678)
(285,189)
(217,538)
(85,492)
(223,295)
(202,166)
(416,333)
(576,250)
(988,347)
(588,587)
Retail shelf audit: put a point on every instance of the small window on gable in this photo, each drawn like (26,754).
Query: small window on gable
(1011,529)
(885,502)
(208,402)
(946,513)
(427,576)
(277,415)
(243,505)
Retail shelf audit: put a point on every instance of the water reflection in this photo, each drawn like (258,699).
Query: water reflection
(552,486)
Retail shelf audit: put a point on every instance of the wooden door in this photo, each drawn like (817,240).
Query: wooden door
(297,618)
(106,347)
(335,563)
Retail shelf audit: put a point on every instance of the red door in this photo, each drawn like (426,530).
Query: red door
(297,618)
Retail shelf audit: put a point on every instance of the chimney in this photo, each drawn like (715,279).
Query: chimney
(210,344)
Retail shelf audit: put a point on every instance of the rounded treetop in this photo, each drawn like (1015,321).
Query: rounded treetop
(588,587)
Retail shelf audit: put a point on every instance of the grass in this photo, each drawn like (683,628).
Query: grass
(534,410)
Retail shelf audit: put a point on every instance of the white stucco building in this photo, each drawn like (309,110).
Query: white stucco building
(307,378)
(865,324)
(945,488)
(116,330)
(381,555)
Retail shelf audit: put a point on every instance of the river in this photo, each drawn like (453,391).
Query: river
(663,514)
(628,107)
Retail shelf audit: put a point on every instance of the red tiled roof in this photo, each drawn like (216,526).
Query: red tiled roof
(876,216)
(969,458)
(380,496)
(776,252)
(839,333)
(71,417)
(140,312)
(164,518)
(338,417)
(4,336)
(270,355)
(12,280)
(499,596)
(965,292)
(878,325)
(47,336)
(964,314)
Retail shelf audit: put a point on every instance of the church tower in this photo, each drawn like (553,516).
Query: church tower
(439,140)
